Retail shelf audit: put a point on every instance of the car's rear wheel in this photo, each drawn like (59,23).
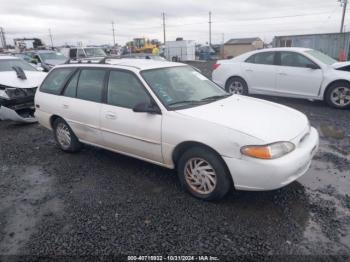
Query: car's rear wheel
(203,174)
(236,85)
(338,95)
(65,137)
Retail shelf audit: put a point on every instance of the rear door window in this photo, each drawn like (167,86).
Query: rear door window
(71,88)
(54,82)
(90,84)
(266,58)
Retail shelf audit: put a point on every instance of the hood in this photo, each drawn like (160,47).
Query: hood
(54,62)
(34,79)
(340,65)
(267,121)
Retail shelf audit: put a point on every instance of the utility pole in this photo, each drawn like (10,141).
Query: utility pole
(164,35)
(50,34)
(3,38)
(113,30)
(223,46)
(210,28)
(344,4)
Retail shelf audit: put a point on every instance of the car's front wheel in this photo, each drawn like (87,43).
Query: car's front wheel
(203,174)
(236,85)
(65,137)
(338,95)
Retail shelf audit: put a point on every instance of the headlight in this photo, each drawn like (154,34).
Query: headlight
(272,151)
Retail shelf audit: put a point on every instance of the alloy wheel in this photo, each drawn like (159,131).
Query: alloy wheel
(340,96)
(236,87)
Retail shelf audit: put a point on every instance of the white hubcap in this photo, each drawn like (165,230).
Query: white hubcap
(200,176)
(340,96)
(63,135)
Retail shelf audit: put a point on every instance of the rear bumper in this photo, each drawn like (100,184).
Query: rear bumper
(261,175)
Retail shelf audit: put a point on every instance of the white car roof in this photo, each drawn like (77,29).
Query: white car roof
(138,64)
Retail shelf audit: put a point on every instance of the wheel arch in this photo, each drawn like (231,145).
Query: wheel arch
(182,147)
(53,118)
(331,84)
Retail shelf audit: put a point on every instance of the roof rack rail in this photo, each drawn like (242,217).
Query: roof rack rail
(69,61)
(103,60)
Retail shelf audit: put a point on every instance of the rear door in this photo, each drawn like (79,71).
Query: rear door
(81,103)
(295,76)
(136,134)
(48,101)
(259,71)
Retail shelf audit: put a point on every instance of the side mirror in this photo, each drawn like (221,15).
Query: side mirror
(147,108)
(312,66)
(34,61)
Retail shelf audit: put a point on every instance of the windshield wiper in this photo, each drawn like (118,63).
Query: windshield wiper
(191,102)
(213,98)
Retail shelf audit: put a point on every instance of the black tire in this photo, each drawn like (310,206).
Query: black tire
(74,145)
(241,89)
(223,178)
(330,93)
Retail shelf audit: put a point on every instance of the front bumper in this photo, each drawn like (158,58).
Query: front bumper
(251,174)
(21,116)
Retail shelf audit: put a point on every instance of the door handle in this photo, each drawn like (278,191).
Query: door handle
(282,74)
(249,70)
(65,106)
(111,115)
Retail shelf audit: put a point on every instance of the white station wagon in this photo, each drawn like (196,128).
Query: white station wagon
(171,115)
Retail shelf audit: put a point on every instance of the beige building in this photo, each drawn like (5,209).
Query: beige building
(236,47)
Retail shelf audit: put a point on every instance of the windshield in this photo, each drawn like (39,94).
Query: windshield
(322,57)
(6,65)
(94,52)
(182,86)
(52,56)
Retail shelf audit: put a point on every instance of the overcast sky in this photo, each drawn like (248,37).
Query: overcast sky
(90,21)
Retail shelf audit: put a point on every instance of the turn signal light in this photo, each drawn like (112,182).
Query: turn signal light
(271,151)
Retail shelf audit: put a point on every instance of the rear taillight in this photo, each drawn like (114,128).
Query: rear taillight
(216,66)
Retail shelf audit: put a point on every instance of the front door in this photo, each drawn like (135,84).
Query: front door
(298,76)
(135,134)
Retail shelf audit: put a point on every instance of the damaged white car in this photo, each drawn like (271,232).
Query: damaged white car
(18,83)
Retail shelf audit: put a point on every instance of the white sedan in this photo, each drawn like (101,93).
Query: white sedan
(171,115)
(288,72)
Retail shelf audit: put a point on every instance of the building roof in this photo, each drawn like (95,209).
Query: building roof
(317,34)
(242,41)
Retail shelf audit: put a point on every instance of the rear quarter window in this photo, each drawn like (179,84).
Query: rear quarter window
(54,82)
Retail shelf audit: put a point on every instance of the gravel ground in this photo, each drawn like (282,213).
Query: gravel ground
(101,203)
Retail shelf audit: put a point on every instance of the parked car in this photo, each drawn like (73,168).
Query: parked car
(48,59)
(143,56)
(171,115)
(84,54)
(30,60)
(288,72)
(18,83)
